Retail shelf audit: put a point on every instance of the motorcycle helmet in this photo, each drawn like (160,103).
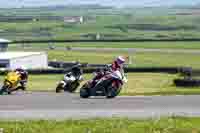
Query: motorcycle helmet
(120,60)
(20,68)
(77,71)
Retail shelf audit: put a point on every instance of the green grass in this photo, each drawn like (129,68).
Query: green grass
(139,59)
(138,84)
(154,45)
(161,45)
(113,125)
(102,21)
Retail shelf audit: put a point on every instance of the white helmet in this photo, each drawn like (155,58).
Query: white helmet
(21,68)
(120,60)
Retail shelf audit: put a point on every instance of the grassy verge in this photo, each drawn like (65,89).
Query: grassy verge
(114,125)
(160,45)
(138,84)
(139,59)
(155,45)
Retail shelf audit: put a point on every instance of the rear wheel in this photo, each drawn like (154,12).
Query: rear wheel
(23,88)
(20,88)
(59,88)
(112,91)
(84,92)
(3,90)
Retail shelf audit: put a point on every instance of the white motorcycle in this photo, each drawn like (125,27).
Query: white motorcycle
(71,81)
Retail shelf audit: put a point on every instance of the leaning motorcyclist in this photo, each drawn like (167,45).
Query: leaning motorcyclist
(98,74)
(23,76)
(77,72)
(117,64)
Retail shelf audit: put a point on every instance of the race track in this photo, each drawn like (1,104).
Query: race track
(49,105)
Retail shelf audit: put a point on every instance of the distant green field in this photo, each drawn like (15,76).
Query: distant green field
(147,23)
(112,125)
(139,59)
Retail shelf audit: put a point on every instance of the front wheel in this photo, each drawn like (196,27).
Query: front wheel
(3,90)
(113,91)
(59,88)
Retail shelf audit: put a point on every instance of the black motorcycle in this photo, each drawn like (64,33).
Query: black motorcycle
(71,80)
(109,85)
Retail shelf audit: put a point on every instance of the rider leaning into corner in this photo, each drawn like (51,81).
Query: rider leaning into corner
(75,73)
(24,77)
(117,65)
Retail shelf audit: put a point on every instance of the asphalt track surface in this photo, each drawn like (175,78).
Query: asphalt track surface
(49,105)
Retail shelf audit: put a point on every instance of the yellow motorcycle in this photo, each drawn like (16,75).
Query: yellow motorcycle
(10,82)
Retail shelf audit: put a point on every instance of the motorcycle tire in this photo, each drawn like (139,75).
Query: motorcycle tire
(23,88)
(113,92)
(20,88)
(3,90)
(59,88)
(84,91)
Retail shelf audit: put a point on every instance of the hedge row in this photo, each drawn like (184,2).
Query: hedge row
(154,69)
(57,64)
(62,67)
(91,67)
(60,64)
(187,82)
(90,70)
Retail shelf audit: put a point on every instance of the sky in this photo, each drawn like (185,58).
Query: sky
(118,3)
